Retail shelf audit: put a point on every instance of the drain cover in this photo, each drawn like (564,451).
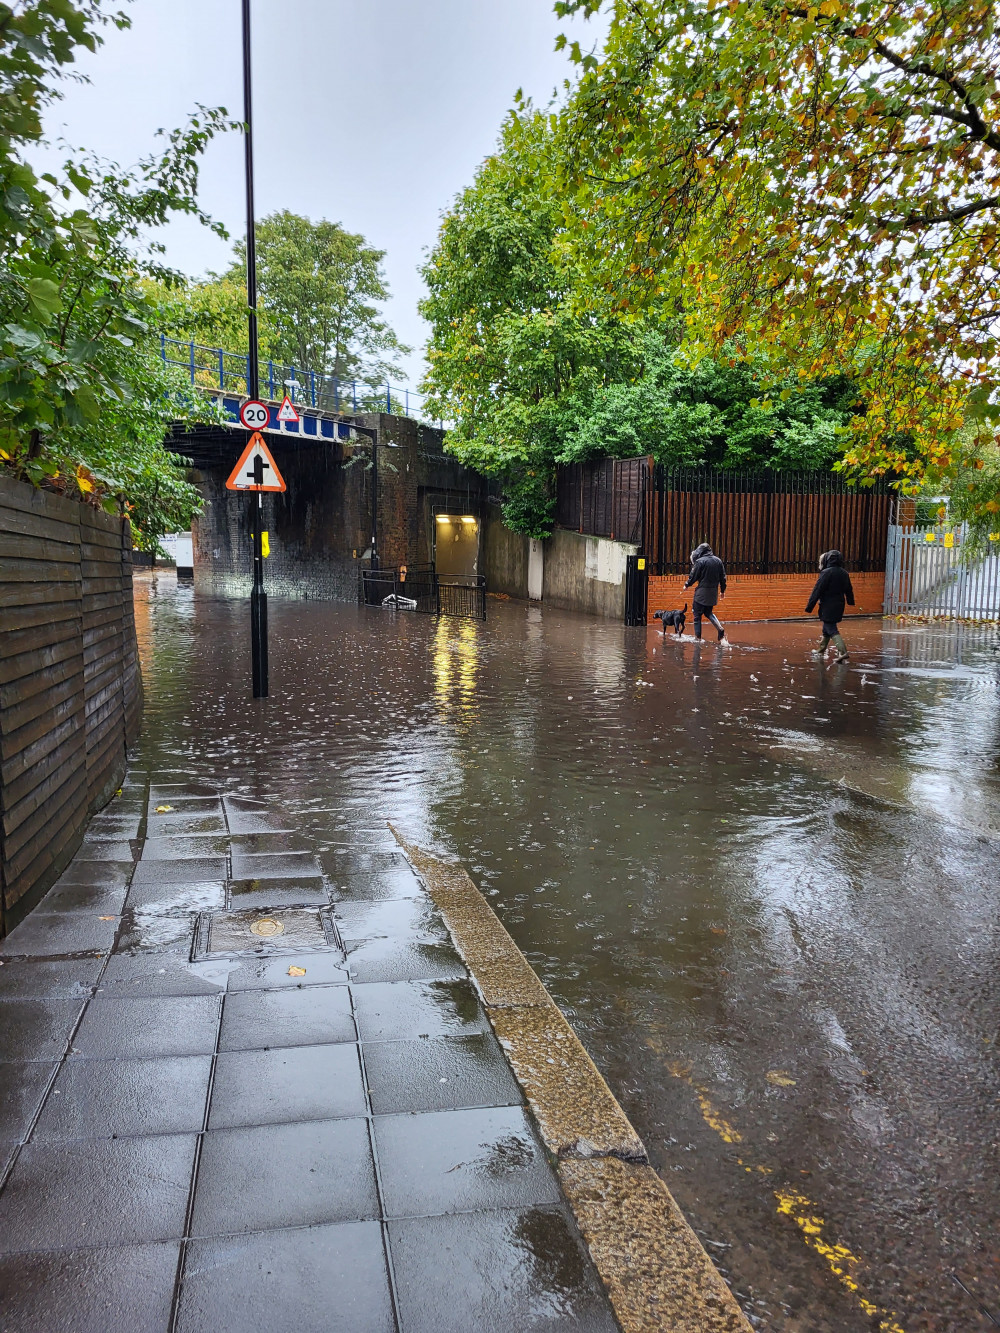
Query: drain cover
(227,933)
(267,927)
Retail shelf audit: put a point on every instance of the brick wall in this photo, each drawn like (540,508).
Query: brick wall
(766,596)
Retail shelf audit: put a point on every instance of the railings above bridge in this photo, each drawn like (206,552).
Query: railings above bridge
(220,372)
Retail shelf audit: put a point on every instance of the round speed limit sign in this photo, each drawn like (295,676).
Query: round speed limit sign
(255,415)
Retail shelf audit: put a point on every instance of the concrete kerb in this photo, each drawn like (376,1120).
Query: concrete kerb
(657,1274)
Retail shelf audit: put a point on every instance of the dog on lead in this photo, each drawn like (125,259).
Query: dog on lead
(674,618)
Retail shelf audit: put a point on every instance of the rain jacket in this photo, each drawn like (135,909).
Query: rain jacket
(832,590)
(708,571)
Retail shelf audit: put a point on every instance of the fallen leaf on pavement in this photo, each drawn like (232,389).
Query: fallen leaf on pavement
(780,1079)
(296,971)
(162,809)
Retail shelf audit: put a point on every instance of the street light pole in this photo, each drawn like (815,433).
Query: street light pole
(258,597)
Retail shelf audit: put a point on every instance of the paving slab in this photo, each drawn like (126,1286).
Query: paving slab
(48,934)
(494,1271)
(115,1028)
(278,891)
(311,1016)
(402,960)
(97,1192)
(122,1289)
(37,1029)
(109,1098)
(290,1083)
(49,978)
(22,1087)
(322,1279)
(288,1175)
(462,1161)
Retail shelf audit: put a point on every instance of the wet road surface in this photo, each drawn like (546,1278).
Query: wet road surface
(764,890)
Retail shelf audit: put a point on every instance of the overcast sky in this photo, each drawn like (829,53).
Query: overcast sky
(371,113)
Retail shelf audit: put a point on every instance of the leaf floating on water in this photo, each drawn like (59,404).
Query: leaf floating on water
(107,918)
(163,809)
(296,971)
(780,1078)
(717,930)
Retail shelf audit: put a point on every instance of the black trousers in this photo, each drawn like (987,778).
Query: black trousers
(699,610)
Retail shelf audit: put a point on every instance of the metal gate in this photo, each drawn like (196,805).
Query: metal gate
(929,573)
(419,588)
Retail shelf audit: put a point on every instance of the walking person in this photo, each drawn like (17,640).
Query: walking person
(709,573)
(832,591)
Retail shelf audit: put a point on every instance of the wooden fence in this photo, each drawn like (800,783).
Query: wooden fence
(70,687)
(760,522)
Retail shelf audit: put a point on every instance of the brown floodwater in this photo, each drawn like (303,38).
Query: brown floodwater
(764,889)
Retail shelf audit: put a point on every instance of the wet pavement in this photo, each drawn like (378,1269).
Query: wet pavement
(764,890)
(242,1093)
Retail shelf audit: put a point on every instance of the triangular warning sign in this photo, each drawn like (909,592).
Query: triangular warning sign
(242,476)
(286,412)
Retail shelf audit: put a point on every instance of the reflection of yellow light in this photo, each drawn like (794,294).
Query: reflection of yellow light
(468,518)
(456,663)
(443,518)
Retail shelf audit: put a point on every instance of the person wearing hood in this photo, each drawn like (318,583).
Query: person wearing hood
(709,573)
(833,591)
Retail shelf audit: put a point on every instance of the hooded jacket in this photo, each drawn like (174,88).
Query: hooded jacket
(832,590)
(708,571)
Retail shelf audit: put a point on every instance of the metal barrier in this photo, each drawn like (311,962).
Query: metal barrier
(421,589)
(462,595)
(215,368)
(928,574)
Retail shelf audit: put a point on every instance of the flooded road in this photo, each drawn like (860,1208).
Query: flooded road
(764,890)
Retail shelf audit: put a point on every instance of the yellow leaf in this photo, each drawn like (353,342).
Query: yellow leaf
(84,479)
(296,971)
(163,809)
(107,918)
(780,1078)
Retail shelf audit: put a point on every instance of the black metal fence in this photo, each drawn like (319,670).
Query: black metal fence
(420,588)
(760,522)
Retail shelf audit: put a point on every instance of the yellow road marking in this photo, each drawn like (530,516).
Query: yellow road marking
(801,1210)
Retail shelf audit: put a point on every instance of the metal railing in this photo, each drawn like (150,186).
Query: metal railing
(215,369)
(419,588)
(928,574)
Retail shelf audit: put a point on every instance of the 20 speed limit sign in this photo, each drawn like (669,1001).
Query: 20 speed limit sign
(255,415)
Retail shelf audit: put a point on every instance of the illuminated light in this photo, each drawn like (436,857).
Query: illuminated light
(443,518)
(468,518)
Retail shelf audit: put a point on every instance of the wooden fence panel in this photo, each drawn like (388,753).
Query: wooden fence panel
(759,522)
(70,692)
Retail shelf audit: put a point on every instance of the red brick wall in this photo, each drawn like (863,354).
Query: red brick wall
(765,596)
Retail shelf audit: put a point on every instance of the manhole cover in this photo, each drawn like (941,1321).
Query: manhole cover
(267,928)
(227,933)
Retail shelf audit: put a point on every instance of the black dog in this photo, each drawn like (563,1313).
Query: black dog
(674,618)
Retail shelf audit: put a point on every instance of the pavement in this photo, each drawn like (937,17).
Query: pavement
(239,1092)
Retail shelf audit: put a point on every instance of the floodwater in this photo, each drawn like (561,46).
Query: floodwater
(765,891)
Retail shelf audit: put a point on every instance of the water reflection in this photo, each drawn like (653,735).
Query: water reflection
(764,889)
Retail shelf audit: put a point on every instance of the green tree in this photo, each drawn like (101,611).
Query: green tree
(510,352)
(532,370)
(83,396)
(821,180)
(320,288)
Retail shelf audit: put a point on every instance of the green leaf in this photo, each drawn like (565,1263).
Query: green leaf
(43,296)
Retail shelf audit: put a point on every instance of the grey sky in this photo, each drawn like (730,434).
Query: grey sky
(371,113)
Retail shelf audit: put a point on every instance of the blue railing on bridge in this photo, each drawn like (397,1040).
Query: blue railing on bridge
(215,369)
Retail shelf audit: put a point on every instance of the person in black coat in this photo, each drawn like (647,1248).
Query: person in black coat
(832,591)
(709,573)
